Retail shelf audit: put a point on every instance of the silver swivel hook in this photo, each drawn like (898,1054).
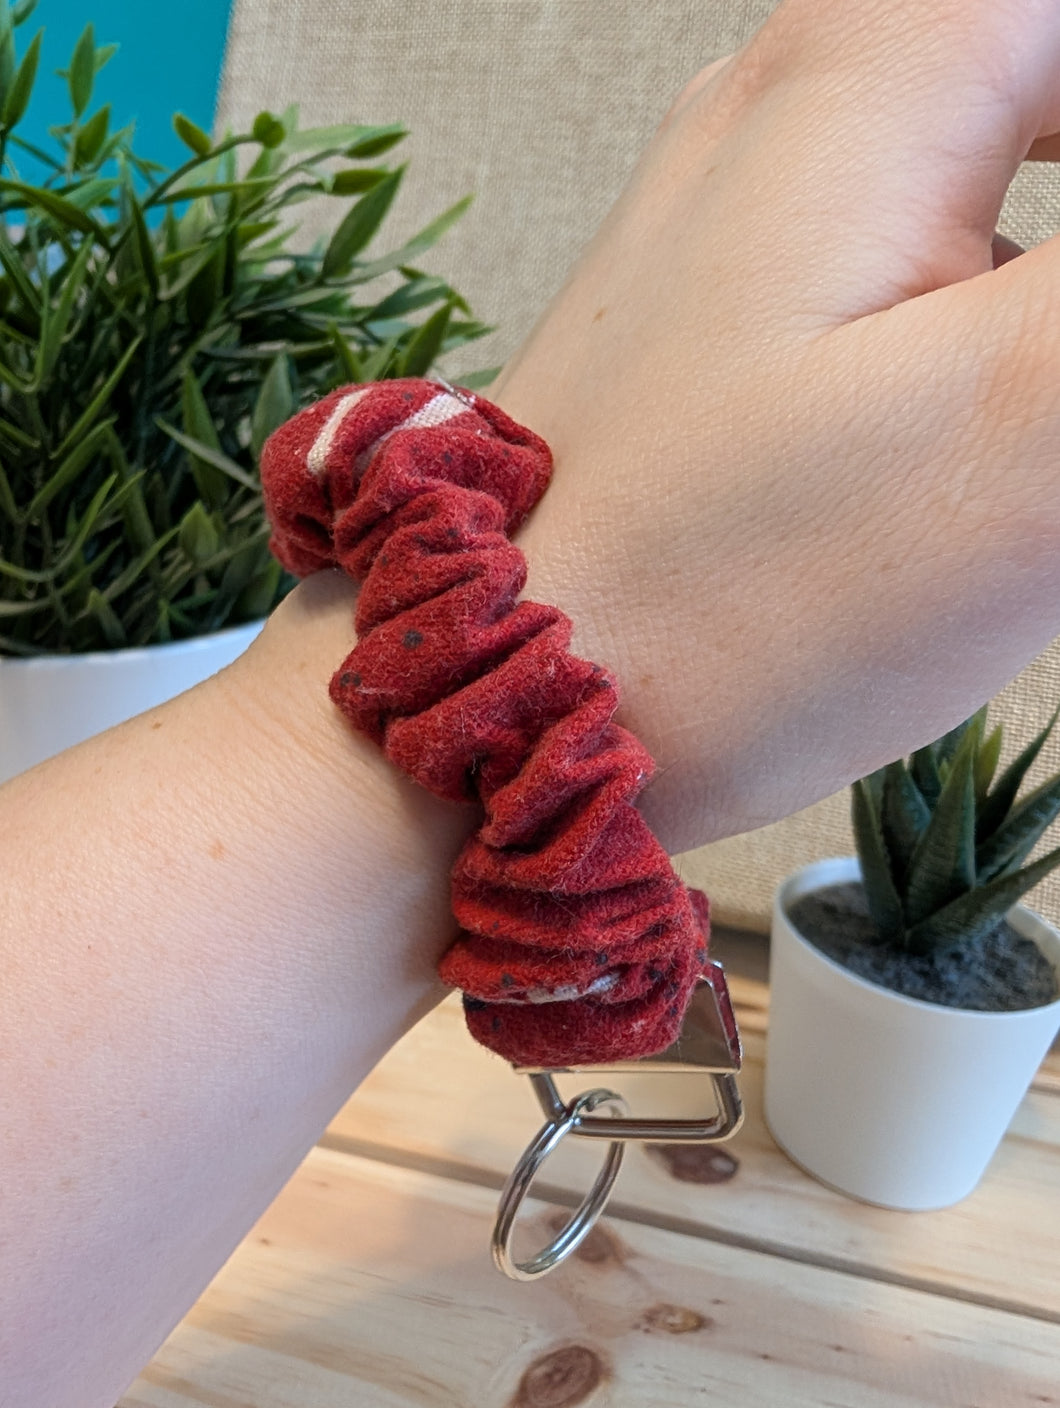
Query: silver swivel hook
(709,1045)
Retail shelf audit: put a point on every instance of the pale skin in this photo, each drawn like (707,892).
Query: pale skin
(805,505)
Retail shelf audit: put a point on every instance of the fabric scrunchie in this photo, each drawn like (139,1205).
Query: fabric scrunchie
(578,943)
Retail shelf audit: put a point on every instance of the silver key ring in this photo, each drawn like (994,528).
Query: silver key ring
(518,1185)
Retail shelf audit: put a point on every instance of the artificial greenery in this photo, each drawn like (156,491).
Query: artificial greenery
(154,328)
(942,844)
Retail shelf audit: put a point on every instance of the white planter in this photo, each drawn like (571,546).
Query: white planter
(884,1097)
(51,702)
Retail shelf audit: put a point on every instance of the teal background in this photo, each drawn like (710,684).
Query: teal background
(169,60)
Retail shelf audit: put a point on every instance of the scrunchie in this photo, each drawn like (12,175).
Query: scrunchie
(578,943)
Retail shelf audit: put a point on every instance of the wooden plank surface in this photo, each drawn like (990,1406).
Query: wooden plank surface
(440,1102)
(367,1284)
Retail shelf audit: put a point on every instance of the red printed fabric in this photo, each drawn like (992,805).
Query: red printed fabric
(578,944)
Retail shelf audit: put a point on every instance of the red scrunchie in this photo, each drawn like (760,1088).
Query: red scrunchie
(578,942)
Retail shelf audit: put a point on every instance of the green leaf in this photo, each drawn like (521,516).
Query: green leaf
(259,596)
(206,289)
(73,547)
(139,530)
(140,566)
(21,12)
(91,136)
(23,385)
(266,165)
(17,438)
(250,230)
(428,236)
(1013,841)
(86,524)
(417,293)
(97,190)
(904,816)
(356,179)
(377,364)
(8,506)
(360,224)
(198,536)
(210,455)
(23,574)
(211,483)
(82,71)
(21,89)
(99,402)
(60,209)
(104,54)
(143,243)
(352,368)
(194,261)
(986,763)
(884,903)
(192,135)
(68,470)
(313,296)
(355,140)
(999,802)
(425,344)
(54,325)
(945,748)
(7,50)
(925,771)
(107,617)
(377,142)
(210,188)
(268,130)
(943,864)
(9,609)
(11,259)
(240,571)
(275,404)
(973,915)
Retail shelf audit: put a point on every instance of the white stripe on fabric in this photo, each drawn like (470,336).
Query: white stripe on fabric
(437,411)
(443,407)
(322,444)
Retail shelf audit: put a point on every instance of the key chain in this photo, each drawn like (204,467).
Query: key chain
(708,1046)
(580,950)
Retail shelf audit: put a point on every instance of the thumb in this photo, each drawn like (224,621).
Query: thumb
(953,418)
(914,117)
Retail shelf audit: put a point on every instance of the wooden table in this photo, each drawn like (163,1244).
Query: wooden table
(721,1276)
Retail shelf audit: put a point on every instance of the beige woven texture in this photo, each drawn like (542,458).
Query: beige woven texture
(541,107)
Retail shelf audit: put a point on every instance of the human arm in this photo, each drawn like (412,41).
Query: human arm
(810,435)
(213,921)
(794,523)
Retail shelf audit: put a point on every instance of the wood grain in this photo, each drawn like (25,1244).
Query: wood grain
(439,1101)
(367,1284)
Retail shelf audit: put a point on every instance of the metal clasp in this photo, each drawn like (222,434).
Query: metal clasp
(709,1045)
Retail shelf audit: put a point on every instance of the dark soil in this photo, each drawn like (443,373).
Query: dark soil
(1001,972)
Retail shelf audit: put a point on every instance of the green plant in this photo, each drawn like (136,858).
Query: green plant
(154,329)
(942,845)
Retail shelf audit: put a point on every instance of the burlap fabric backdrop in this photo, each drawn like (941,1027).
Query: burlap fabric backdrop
(540,107)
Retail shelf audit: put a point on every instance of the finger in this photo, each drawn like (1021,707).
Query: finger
(964,488)
(911,118)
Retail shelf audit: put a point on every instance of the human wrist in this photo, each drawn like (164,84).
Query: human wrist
(371,851)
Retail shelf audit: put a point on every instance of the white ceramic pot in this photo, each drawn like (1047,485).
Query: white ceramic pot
(884,1097)
(51,702)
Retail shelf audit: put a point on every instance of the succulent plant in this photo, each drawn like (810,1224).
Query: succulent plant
(942,844)
(154,328)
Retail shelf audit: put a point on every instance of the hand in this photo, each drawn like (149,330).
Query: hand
(806,501)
